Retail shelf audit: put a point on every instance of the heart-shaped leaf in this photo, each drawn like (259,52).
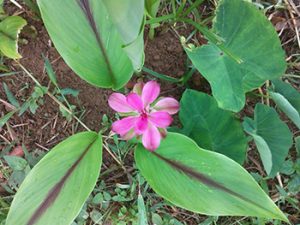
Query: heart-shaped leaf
(260,56)
(203,181)
(85,34)
(271,136)
(57,187)
(208,125)
(10,28)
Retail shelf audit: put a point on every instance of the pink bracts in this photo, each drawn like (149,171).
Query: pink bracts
(145,116)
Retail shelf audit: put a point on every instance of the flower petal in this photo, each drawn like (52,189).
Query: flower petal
(150,92)
(135,101)
(123,126)
(118,102)
(151,138)
(169,105)
(141,125)
(161,119)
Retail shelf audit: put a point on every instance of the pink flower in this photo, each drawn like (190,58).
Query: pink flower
(145,116)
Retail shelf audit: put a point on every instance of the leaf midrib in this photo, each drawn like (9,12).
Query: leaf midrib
(86,9)
(54,192)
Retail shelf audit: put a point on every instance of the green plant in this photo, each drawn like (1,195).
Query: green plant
(177,167)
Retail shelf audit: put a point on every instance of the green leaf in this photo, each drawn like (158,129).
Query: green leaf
(128,23)
(50,71)
(15,162)
(208,125)
(261,56)
(85,35)
(297,144)
(135,51)
(290,93)
(98,199)
(70,91)
(10,28)
(294,184)
(271,136)
(130,26)
(6,117)
(57,187)
(288,100)
(152,7)
(2,12)
(203,181)
(142,214)
(286,107)
(287,168)
(11,98)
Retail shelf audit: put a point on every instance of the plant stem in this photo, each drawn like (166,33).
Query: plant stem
(204,30)
(161,19)
(213,38)
(188,75)
(173,7)
(161,76)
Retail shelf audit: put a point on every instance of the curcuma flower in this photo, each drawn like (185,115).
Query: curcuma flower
(146,117)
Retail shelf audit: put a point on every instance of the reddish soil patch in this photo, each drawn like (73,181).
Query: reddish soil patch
(47,127)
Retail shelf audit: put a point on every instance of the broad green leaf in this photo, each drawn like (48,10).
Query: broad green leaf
(10,28)
(288,100)
(271,136)
(260,56)
(130,26)
(86,37)
(135,51)
(127,16)
(57,187)
(203,181)
(208,125)
(286,107)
